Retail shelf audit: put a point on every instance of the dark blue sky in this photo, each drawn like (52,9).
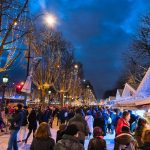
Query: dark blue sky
(100,30)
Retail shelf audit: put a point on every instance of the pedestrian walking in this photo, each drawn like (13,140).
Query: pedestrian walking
(42,139)
(69,140)
(23,129)
(32,119)
(16,121)
(81,125)
(89,119)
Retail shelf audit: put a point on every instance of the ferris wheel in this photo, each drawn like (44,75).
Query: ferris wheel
(13,20)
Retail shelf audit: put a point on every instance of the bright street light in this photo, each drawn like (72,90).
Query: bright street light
(51,20)
(49,92)
(5,79)
(76,66)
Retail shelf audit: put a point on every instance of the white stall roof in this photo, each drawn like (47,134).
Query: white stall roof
(119,93)
(128,91)
(144,87)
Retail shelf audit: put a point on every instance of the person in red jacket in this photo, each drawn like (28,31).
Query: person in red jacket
(124,121)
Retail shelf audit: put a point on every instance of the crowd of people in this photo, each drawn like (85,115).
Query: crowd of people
(131,131)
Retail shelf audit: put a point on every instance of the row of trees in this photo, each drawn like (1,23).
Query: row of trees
(56,69)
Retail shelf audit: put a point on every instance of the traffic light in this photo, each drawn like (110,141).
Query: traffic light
(19,87)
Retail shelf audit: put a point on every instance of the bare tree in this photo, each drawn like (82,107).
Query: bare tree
(57,58)
(137,58)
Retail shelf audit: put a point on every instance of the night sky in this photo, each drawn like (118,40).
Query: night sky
(100,31)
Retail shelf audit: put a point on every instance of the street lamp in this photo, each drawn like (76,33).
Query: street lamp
(76,66)
(5,81)
(49,93)
(51,20)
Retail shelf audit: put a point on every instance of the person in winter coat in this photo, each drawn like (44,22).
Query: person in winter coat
(125,140)
(47,115)
(146,140)
(124,121)
(141,127)
(81,124)
(69,140)
(60,132)
(89,119)
(97,143)
(100,122)
(62,116)
(32,119)
(42,139)
(22,132)
(15,121)
(40,115)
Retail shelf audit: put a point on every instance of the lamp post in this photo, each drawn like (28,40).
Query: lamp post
(5,81)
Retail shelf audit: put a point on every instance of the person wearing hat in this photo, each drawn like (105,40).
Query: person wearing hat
(69,140)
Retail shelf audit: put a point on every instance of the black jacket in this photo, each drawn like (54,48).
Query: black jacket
(42,144)
(32,119)
(146,146)
(25,114)
(16,120)
(97,143)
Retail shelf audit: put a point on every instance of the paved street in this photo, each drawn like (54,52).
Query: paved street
(22,146)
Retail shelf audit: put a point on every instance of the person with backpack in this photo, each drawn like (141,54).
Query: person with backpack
(81,125)
(125,140)
(69,140)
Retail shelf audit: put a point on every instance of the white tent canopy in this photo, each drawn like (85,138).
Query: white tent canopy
(119,93)
(128,91)
(144,87)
